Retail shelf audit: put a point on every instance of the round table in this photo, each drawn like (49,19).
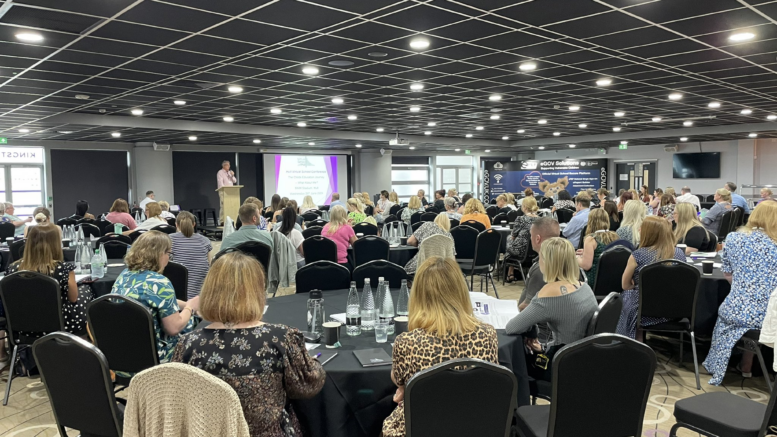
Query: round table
(504,232)
(103,286)
(355,400)
(713,290)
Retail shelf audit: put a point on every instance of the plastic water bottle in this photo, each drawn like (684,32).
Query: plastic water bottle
(98,268)
(368,307)
(387,308)
(103,253)
(379,296)
(353,312)
(403,299)
(77,260)
(316,314)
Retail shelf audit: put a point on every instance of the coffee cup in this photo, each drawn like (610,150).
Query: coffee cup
(332,334)
(66,242)
(403,241)
(359,235)
(504,223)
(400,324)
(706,267)
(9,241)
(682,247)
(117,228)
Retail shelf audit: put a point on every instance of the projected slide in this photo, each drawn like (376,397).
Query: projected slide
(297,176)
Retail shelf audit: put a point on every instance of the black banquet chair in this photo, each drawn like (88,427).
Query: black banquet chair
(7,230)
(114,238)
(167,229)
(365,228)
(394,210)
(433,396)
(464,238)
(414,227)
(499,218)
(78,383)
(428,216)
(116,249)
(612,263)
(605,319)
(109,228)
(32,303)
(90,230)
(317,222)
(67,221)
(564,215)
(512,216)
(370,248)
(171,221)
(310,216)
(492,211)
(480,227)
(17,250)
(415,218)
(594,365)
(136,234)
(322,275)
(311,231)
(485,260)
(178,275)
(318,248)
(373,270)
(727,223)
(258,250)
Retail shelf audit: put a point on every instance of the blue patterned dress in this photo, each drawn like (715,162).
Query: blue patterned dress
(627,325)
(752,259)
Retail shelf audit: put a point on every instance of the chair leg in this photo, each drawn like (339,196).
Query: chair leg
(10,375)
(496,293)
(680,360)
(695,360)
(763,367)
(520,269)
(673,431)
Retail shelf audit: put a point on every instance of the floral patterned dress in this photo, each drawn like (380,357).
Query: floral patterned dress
(266,365)
(751,258)
(518,241)
(423,232)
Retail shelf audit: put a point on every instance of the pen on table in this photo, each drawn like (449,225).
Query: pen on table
(318,354)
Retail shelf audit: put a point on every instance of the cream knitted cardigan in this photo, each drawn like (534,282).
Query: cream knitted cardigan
(177,399)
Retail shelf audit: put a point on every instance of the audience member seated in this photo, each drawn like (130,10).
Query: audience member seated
(624,199)
(440,226)
(120,214)
(340,232)
(579,219)
(276,215)
(655,201)
(656,243)
(736,199)
(383,208)
(749,262)
(441,327)
(43,254)
(687,197)
(153,218)
(307,205)
(249,216)
(511,204)
(714,216)
(519,239)
(474,210)
(394,198)
(8,217)
(288,227)
(464,199)
(670,191)
(355,210)
(366,199)
(42,216)
(298,220)
(413,206)
(439,202)
(143,281)
(599,236)
(541,230)
(451,209)
(192,251)
(502,205)
(564,201)
(82,206)
(689,229)
(634,214)
(667,206)
(275,204)
(565,304)
(267,364)
(618,199)
(766,194)
(644,193)
(612,212)
(454,194)
(150,197)
(527,193)
(165,206)
(601,196)
(422,195)
(260,206)
(336,200)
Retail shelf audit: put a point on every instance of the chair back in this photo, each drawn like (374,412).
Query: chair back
(499,218)
(414,227)
(114,237)
(33,303)
(90,230)
(171,221)
(480,227)
(546,203)
(310,216)
(612,263)
(78,383)
(672,299)
(583,234)
(319,248)
(317,222)
(365,228)
(597,364)
(415,217)
(391,218)
(454,223)
(109,228)
(7,230)
(67,221)
(512,216)
(322,275)
(492,211)
(770,418)
(16,250)
(487,249)
(394,210)
(116,249)
(368,209)
(712,246)
(740,218)
(136,234)
(311,231)
(178,275)
(167,229)
(433,397)
(370,248)
(436,245)
(373,270)
(727,223)
(605,319)
(258,250)
(123,329)
(564,215)
(428,217)
(464,240)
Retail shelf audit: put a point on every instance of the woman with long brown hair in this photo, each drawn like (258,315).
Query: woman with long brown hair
(599,236)
(192,250)
(656,243)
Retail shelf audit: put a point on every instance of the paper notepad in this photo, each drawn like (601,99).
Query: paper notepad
(493,311)
(372,357)
(704,254)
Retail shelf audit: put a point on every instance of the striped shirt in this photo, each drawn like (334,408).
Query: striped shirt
(193,254)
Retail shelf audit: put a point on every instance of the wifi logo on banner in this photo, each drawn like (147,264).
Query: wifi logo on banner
(498,177)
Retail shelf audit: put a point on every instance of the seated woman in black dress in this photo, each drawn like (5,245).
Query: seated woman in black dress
(689,229)
(266,364)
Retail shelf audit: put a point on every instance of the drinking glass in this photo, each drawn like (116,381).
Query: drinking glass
(381,332)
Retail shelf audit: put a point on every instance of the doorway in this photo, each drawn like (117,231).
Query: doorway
(633,175)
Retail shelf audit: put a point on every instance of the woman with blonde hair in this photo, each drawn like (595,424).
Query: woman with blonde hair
(766,194)
(143,281)
(393,198)
(165,206)
(339,231)
(192,251)
(413,206)
(440,226)
(689,229)
(356,213)
(511,201)
(749,261)
(366,199)
(599,236)
(441,327)
(41,216)
(473,210)
(565,303)
(656,244)
(714,217)
(154,218)
(633,215)
(519,240)
(120,214)
(307,205)
(276,367)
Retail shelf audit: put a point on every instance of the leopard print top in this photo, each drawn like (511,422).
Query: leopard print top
(417,350)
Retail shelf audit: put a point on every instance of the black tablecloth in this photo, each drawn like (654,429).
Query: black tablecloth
(356,400)
(713,290)
(504,232)
(103,286)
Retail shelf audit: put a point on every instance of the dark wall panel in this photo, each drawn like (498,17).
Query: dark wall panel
(194,178)
(100,186)
(251,175)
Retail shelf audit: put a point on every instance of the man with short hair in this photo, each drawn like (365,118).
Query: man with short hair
(336,201)
(736,199)
(542,229)
(579,220)
(687,197)
(224,178)
(249,231)
(8,217)
(150,197)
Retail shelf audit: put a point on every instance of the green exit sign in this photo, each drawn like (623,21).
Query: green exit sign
(468,152)
(623,146)
(3,140)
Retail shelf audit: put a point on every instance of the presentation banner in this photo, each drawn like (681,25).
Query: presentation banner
(546,177)
(300,176)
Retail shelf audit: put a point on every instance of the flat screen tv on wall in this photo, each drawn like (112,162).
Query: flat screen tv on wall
(696,165)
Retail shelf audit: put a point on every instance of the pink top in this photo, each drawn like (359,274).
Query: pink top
(122,218)
(342,238)
(224,179)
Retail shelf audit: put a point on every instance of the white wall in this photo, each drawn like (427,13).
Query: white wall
(153,171)
(372,172)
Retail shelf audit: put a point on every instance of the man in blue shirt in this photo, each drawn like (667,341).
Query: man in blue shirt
(736,199)
(336,201)
(8,217)
(579,220)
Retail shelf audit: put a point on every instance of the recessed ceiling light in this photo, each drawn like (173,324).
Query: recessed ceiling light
(358,146)
(29,37)
(352,117)
(520,131)
(582,126)
(311,144)
(743,36)
(542,121)
(468,135)
(675,96)
(574,108)
(505,138)
(302,124)
(528,66)
(487,151)
(684,139)
(616,129)
(65,132)
(495,117)
(24,131)
(257,141)
(235,89)
(380,129)
(415,109)
(428,132)
(412,147)
(228,119)
(116,134)
(572,146)
(753,135)
(619,114)
(419,43)
(657,119)
(478,127)
(431,124)
(310,70)
(541,147)
(82,96)
(180,102)
(192,138)
(713,105)
(746,111)
(556,134)
(687,123)
(457,150)
(137,112)
(377,54)
(337,100)
(340,63)
(771,117)
(495,97)
(604,82)
(416,86)
(276,111)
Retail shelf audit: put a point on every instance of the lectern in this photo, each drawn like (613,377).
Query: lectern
(231,201)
